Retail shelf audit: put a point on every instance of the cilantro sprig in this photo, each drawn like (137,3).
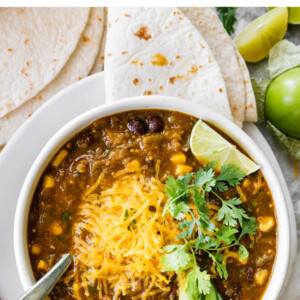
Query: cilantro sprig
(199,234)
(227,17)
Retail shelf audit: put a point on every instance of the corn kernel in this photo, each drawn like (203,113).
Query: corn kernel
(135,164)
(246,182)
(59,158)
(265,224)
(36,249)
(42,266)
(81,167)
(261,276)
(75,287)
(56,229)
(182,169)
(178,159)
(48,182)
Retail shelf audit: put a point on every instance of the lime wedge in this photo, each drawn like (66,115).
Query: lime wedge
(294,14)
(257,38)
(209,146)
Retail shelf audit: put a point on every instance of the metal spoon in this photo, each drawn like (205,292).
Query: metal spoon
(45,285)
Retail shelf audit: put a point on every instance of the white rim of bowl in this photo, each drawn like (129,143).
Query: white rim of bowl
(151,102)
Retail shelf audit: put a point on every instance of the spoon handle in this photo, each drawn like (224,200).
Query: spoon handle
(45,285)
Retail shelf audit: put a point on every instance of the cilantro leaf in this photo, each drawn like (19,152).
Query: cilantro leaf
(230,174)
(231,213)
(197,283)
(227,17)
(218,260)
(243,252)
(177,259)
(222,270)
(205,179)
(187,224)
(226,234)
(249,226)
(177,210)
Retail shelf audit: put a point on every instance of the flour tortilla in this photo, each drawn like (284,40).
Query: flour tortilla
(99,62)
(159,51)
(250,110)
(35,45)
(78,66)
(207,22)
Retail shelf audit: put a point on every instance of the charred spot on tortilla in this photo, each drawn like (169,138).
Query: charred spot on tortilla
(172,80)
(127,15)
(147,93)
(161,87)
(136,62)
(123,52)
(178,56)
(143,33)
(194,69)
(86,39)
(159,60)
(135,81)
(220,90)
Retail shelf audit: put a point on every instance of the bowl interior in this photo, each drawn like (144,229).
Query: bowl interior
(151,102)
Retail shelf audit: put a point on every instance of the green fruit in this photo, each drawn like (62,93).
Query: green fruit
(282,104)
(257,38)
(294,14)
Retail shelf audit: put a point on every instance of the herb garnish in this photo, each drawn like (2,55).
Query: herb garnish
(200,234)
(227,17)
(65,216)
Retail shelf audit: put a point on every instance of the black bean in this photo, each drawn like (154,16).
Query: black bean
(137,126)
(249,274)
(155,123)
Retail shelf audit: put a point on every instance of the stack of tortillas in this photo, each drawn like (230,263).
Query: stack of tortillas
(182,52)
(43,50)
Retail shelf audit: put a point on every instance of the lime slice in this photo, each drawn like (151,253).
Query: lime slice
(257,38)
(209,146)
(294,14)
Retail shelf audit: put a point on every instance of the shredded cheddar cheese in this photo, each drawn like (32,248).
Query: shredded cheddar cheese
(119,236)
(241,194)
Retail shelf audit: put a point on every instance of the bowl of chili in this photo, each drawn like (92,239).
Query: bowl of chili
(150,129)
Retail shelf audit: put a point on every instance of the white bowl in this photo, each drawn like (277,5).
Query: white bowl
(152,102)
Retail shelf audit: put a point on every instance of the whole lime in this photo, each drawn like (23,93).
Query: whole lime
(282,103)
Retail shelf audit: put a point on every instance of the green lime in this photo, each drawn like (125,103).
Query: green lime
(257,38)
(282,105)
(294,14)
(209,146)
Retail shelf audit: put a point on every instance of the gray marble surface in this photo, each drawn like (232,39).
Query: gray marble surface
(258,70)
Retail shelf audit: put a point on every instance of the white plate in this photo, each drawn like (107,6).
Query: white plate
(27,142)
